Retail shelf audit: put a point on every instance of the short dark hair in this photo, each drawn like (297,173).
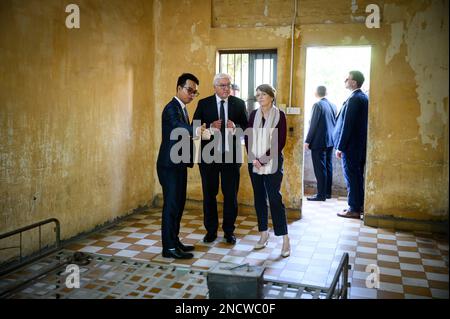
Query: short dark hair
(321,91)
(358,77)
(187,76)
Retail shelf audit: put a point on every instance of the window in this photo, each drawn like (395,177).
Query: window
(248,70)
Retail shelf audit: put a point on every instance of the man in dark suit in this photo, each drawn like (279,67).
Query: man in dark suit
(221,113)
(172,172)
(350,141)
(320,141)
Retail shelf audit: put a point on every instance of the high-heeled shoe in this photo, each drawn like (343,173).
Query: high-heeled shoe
(263,240)
(286,250)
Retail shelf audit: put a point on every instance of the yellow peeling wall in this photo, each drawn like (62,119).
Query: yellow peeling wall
(80,109)
(407,173)
(407,170)
(76,112)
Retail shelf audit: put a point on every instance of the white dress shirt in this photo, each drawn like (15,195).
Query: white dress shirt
(183,106)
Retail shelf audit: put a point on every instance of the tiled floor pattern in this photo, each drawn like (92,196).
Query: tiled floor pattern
(107,277)
(110,278)
(410,265)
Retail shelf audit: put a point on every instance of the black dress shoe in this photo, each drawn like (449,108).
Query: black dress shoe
(209,238)
(328,196)
(316,198)
(185,248)
(176,253)
(230,238)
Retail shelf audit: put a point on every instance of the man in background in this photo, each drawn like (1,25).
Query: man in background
(350,141)
(320,141)
(234,90)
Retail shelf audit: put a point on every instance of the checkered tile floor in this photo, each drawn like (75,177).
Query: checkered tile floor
(110,277)
(410,265)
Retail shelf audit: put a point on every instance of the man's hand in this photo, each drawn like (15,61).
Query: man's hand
(338,154)
(199,131)
(231,127)
(216,124)
(206,134)
(306,146)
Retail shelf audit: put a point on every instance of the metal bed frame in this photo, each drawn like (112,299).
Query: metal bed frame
(15,264)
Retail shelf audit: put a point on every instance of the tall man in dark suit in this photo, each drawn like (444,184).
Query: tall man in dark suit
(350,141)
(221,113)
(172,173)
(320,141)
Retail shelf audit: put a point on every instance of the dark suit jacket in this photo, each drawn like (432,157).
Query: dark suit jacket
(323,120)
(172,118)
(207,113)
(350,133)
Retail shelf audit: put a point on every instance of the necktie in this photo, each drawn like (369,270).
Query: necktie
(222,127)
(186,116)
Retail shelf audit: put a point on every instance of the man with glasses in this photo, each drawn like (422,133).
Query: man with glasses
(350,141)
(172,174)
(221,113)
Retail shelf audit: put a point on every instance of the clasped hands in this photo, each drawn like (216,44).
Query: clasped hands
(206,133)
(257,164)
(217,124)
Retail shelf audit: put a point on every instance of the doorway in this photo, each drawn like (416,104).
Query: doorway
(329,66)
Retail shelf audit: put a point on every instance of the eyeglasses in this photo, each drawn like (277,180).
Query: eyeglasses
(224,86)
(190,91)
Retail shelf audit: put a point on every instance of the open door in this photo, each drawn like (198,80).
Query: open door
(329,66)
